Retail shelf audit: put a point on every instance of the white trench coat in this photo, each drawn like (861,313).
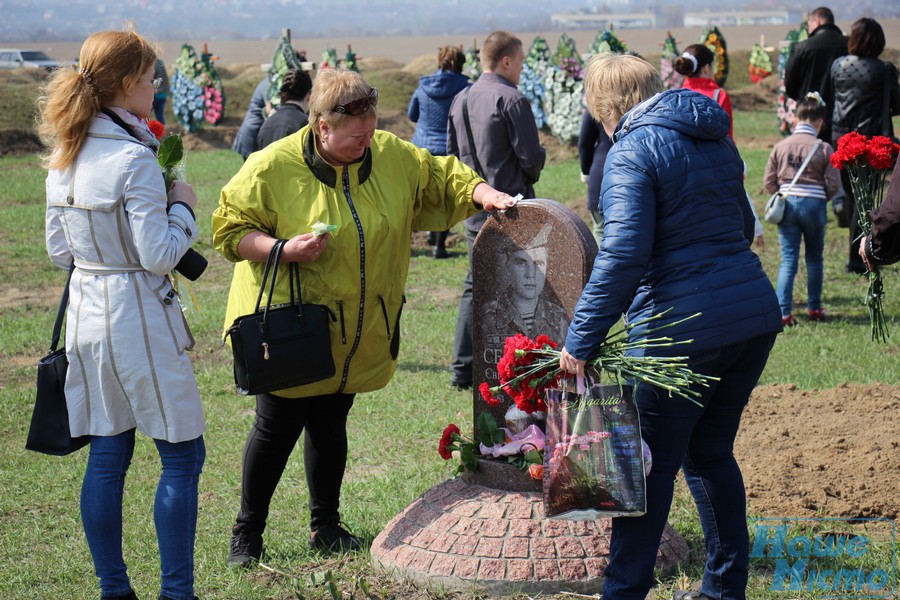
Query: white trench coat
(126,336)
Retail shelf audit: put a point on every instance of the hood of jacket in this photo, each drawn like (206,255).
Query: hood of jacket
(443,84)
(687,112)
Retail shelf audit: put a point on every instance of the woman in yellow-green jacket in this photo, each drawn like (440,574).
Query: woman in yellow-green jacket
(376,189)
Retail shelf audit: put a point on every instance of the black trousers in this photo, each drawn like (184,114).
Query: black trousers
(278,425)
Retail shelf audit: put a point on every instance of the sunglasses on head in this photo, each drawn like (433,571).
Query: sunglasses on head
(359,106)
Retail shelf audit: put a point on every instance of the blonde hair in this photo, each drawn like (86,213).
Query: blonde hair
(615,83)
(331,88)
(496,46)
(110,62)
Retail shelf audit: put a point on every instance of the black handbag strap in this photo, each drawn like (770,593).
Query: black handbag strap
(272,262)
(465,113)
(61,313)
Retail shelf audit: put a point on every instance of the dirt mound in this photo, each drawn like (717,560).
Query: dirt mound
(759,96)
(374,63)
(16,142)
(422,65)
(821,452)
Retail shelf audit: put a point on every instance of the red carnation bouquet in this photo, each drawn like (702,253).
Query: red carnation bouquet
(867,162)
(528,368)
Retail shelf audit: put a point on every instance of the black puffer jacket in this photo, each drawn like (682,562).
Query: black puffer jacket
(858,86)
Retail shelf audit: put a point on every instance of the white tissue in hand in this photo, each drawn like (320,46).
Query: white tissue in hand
(516,198)
(320,228)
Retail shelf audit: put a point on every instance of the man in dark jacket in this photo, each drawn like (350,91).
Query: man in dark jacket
(505,150)
(810,62)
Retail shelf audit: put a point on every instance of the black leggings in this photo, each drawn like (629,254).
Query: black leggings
(278,425)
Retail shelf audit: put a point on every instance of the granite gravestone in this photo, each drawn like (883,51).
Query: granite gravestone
(529,266)
(486,532)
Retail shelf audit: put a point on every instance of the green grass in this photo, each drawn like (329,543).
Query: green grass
(393,432)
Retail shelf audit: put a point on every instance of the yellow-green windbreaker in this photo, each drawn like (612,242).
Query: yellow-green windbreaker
(376,203)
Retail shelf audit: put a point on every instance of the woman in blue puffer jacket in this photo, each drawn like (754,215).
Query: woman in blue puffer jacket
(429,110)
(677,235)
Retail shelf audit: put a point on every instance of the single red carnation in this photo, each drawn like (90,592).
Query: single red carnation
(505,369)
(838,159)
(881,152)
(485,390)
(447,439)
(851,147)
(157,128)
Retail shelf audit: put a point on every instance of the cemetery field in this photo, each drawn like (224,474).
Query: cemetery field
(819,438)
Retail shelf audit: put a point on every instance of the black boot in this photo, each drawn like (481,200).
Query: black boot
(440,239)
(129,596)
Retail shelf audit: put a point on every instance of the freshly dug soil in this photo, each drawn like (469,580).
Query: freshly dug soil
(833,453)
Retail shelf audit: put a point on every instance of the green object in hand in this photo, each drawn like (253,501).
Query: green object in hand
(170,157)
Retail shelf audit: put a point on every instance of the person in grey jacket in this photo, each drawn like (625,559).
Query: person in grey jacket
(677,235)
(505,150)
(109,214)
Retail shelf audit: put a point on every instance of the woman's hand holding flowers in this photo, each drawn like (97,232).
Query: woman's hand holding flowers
(570,364)
(182,192)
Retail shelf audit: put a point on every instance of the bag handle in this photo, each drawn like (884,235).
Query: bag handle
(272,263)
(273,256)
(61,313)
(803,167)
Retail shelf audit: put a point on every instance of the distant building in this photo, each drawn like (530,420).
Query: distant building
(597,21)
(735,18)
(668,18)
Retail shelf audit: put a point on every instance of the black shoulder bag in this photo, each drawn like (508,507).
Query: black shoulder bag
(49,431)
(284,347)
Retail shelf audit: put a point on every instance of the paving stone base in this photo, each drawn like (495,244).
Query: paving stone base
(463,536)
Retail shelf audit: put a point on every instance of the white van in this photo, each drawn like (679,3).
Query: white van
(13,58)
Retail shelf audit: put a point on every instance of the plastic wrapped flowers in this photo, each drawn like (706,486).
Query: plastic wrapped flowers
(531,82)
(760,64)
(607,41)
(784,111)
(188,99)
(672,79)
(284,59)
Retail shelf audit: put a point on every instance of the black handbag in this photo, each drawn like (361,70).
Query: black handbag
(284,347)
(49,431)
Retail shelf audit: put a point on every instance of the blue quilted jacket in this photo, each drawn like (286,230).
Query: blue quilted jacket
(430,107)
(677,234)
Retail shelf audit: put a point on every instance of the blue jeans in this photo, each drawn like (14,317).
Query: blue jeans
(699,440)
(804,218)
(174,511)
